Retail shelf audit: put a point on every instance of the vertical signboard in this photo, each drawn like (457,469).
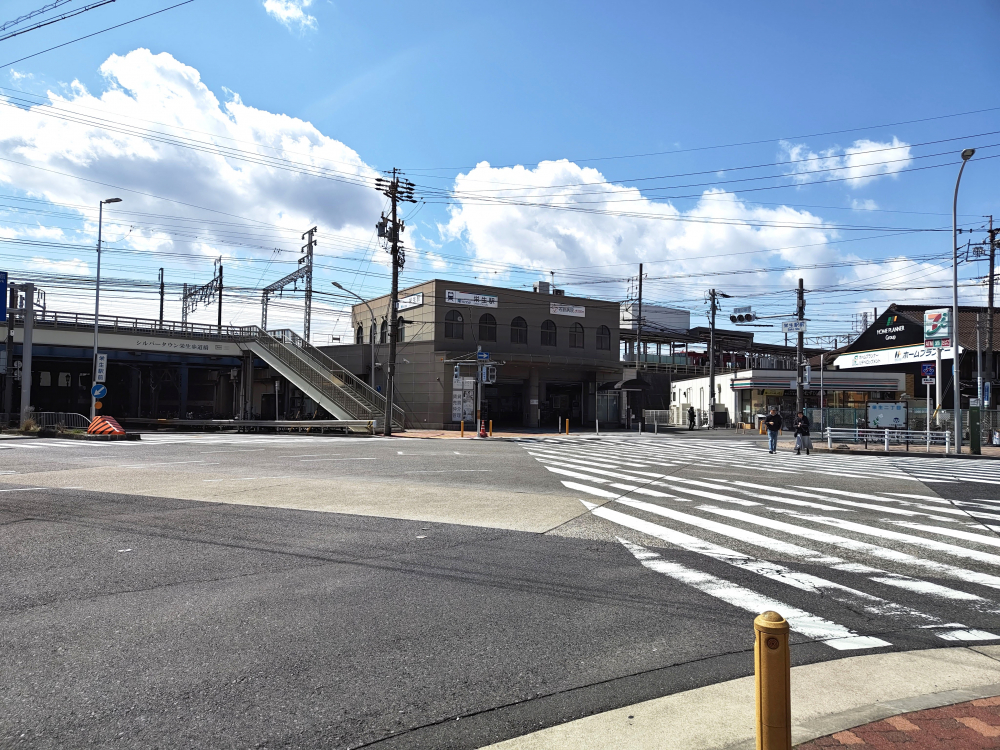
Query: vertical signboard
(102,368)
(3,291)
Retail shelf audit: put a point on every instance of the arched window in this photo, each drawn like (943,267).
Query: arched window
(360,337)
(576,336)
(453,325)
(400,332)
(604,338)
(487,328)
(518,331)
(383,333)
(548,333)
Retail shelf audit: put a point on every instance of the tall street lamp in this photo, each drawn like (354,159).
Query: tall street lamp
(371,330)
(97,303)
(966,155)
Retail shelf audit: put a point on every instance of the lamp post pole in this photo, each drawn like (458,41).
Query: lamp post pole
(371,331)
(966,155)
(97,303)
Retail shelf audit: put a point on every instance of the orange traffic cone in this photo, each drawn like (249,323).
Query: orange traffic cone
(482,428)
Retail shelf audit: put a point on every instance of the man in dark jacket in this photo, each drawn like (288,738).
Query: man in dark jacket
(690,417)
(773,422)
(802,439)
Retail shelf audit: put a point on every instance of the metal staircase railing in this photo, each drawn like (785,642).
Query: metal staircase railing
(342,386)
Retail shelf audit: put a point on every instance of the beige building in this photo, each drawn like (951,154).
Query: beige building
(551,352)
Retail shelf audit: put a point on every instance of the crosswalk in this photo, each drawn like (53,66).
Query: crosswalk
(852,569)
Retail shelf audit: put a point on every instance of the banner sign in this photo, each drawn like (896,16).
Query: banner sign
(407,303)
(902,355)
(468,298)
(793,326)
(102,368)
(577,311)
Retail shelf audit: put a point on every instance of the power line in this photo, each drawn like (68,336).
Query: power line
(51,21)
(110,28)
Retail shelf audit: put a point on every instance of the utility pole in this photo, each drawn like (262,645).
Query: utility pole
(800,309)
(220,300)
(8,386)
(989,313)
(161,298)
(711,361)
(638,322)
(397,190)
(308,260)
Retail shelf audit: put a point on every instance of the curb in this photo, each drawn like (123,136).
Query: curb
(915,453)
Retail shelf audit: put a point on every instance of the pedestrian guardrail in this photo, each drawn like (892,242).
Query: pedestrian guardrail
(70,420)
(887,437)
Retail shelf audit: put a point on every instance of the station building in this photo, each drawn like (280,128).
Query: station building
(552,353)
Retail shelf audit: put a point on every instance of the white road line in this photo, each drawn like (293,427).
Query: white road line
(163,463)
(884,553)
(990,541)
(26,489)
(917,541)
(820,629)
(356,458)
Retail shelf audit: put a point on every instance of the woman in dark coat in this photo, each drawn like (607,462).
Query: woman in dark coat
(802,439)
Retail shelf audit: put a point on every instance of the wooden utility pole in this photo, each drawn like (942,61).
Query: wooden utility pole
(397,190)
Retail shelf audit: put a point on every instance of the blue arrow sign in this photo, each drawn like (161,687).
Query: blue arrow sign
(98,390)
(483,355)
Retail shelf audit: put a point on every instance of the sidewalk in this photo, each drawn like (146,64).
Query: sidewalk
(963,726)
(832,701)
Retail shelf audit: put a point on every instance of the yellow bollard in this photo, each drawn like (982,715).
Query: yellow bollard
(773,674)
(491,428)
(462,428)
(567,425)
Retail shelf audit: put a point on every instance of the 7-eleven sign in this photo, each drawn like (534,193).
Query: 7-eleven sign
(937,324)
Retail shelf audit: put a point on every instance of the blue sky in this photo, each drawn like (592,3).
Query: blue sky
(437,88)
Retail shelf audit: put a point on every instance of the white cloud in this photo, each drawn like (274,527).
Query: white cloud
(864,205)
(719,233)
(858,164)
(291,12)
(75,266)
(158,92)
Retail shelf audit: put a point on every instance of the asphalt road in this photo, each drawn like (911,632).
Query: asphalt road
(214,592)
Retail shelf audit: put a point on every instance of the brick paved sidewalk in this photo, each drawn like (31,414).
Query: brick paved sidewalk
(964,726)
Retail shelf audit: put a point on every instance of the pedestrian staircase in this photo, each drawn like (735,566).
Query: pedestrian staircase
(324,380)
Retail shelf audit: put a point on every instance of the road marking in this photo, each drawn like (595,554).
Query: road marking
(237,450)
(358,458)
(164,463)
(810,625)
(26,489)
(441,471)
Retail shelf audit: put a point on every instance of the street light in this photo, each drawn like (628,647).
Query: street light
(371,331)
(966,155)
(97,303)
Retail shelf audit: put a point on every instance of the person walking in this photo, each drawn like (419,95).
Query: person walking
(690,417)
(773,423)
(802,439)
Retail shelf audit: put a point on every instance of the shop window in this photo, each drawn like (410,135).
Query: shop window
(548,333)
(44,379)
(454,327)
(518,331)
(604,338)
(487,328)
(65,379)
(576,336)
(83,380)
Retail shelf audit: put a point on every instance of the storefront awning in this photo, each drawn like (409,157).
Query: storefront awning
(831,382)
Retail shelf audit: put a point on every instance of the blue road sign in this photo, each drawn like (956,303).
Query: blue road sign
(3,293)
(99,390)
(987,392)
(927,370)
(482,355)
